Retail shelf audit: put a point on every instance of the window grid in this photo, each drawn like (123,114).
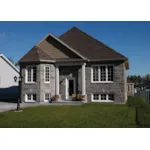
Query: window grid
(103,97)
(96,96)
(31,74)
(34,74)
(110,73)
(47,96)
(31,97)
(95,74)
(47,74)
(110,97)
(102,73)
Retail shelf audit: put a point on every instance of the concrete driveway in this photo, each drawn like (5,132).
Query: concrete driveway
(5,106)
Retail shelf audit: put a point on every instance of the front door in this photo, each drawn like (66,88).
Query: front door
(70,88)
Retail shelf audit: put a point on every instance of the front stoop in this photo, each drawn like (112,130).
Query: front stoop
(67,102)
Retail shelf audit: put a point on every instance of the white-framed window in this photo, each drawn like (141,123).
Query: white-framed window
(102,73)
(30,98)
(47,96)
(30,74)
(47,74)
(102,97)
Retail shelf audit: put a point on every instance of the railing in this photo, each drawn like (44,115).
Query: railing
(144,94)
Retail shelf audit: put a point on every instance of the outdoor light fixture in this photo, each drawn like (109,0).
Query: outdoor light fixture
(19,80)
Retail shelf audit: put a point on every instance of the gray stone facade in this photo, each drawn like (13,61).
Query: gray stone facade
(117,87)
(40,88)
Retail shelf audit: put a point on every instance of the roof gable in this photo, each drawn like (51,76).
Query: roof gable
(88,46)
(9,62)
(56,49)
(35,54)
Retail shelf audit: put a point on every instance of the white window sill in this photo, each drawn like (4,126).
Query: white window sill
(30,101)
(102,101)
(30,82)
(102,82)
(47,82)
(46,101)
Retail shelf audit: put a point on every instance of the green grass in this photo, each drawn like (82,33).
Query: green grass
(91,115)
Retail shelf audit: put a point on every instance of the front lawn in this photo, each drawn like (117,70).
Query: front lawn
(91,115)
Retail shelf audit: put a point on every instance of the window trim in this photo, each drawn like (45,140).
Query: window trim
(45,73)
(106,65)
(26,74)
(26,96)
(45,95)
(107,98)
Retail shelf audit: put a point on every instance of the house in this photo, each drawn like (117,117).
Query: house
(8,88)
(130,88)
(72,63)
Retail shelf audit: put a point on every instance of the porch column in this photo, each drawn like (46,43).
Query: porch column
(57,80)
(83,80)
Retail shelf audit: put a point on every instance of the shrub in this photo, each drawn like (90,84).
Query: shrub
(143,117)
(78,97)
(55,97)
(135,101)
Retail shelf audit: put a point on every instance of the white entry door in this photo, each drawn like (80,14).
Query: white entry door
(70,88)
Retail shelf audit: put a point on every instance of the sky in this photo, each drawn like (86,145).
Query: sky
(132,39)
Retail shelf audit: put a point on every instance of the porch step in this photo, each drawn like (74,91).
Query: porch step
(67,102)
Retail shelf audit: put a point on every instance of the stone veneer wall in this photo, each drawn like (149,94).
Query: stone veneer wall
(47,87)
(117,87)
(39,88)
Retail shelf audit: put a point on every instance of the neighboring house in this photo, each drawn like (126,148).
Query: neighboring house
(130,88)
(8,88)
(73,63)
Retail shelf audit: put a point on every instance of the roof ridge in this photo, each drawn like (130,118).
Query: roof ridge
(93,38)
(9,62)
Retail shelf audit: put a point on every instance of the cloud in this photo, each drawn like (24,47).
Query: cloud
(2,35)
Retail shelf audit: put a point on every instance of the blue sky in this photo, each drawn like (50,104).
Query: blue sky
(131,39)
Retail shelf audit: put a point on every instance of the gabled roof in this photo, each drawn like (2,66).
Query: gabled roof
(64,44)
(10,63)
(74,45)
(88,46)
(34,55)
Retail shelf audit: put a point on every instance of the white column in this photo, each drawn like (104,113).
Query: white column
(57,80)
(83,80)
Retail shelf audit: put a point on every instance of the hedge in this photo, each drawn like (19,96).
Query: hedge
(135,101)
(143,117)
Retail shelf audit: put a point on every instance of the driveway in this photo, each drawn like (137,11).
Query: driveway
(4,106)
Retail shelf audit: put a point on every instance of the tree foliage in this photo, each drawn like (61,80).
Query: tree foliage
(138,79)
